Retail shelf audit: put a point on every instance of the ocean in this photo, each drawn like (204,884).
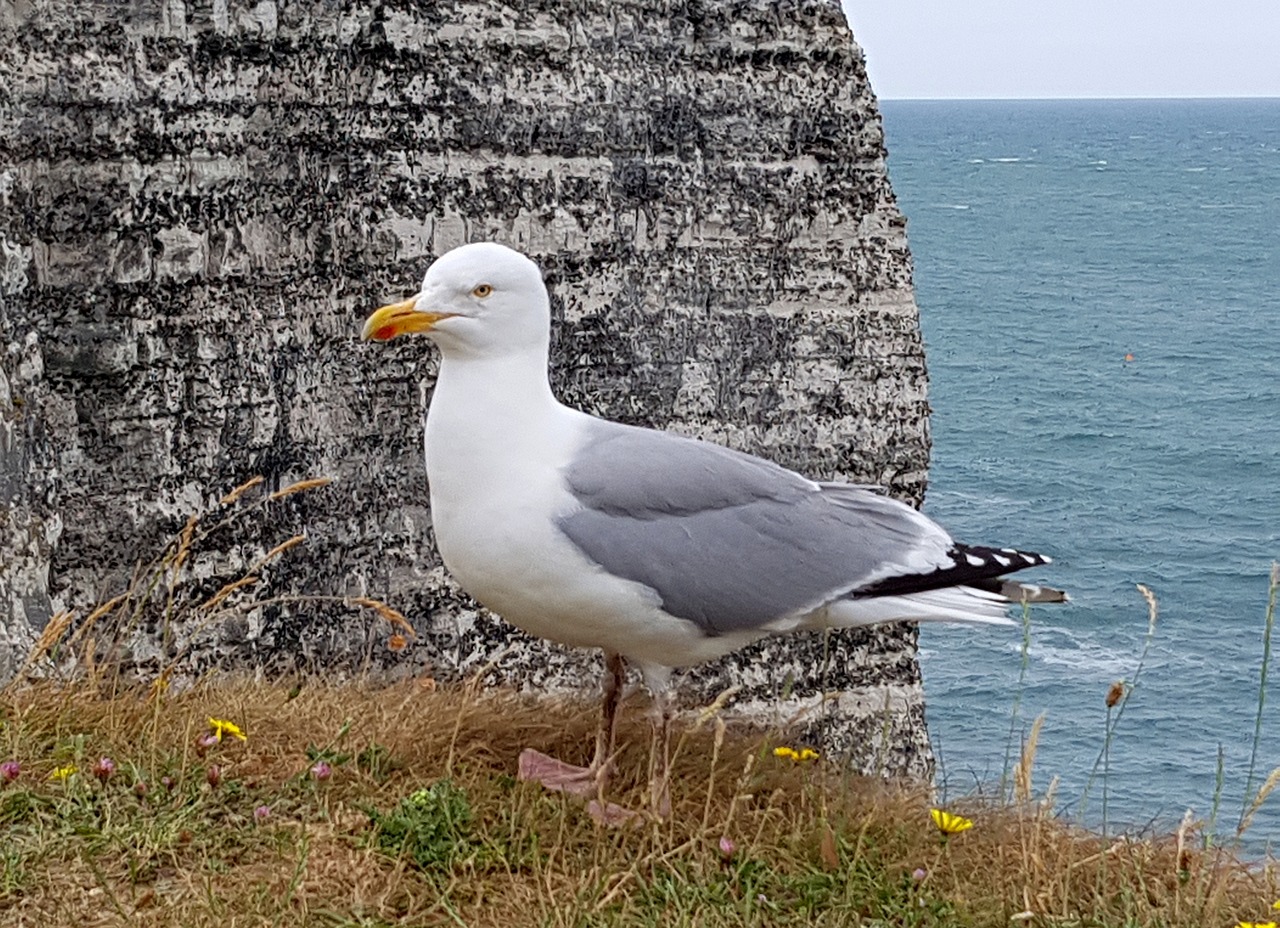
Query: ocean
(1099,289)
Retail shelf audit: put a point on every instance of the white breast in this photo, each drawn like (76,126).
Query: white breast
(496,493)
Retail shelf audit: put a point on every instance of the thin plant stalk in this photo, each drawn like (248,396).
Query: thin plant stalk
(1219,778)
(1262,689)
(1113,720)
(1005,786)
(1106,769)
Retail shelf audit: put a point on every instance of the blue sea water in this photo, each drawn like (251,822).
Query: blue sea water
(1051,239)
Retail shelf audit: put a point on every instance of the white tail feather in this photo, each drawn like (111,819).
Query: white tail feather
(949,604)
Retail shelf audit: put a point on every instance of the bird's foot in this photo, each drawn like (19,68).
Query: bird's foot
(536,767)
(553,774)
(612,814)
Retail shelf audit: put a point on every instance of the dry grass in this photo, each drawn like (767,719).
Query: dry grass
(295,825)
(810,846)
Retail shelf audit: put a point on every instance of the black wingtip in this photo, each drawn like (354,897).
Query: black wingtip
(971,565)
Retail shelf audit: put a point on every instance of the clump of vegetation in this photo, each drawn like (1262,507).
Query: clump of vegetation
(251,802)
(182,828)
(431,826)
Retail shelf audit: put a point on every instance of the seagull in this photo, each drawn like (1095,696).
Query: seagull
(660,550)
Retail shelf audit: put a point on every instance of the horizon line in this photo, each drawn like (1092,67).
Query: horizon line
(1116,97)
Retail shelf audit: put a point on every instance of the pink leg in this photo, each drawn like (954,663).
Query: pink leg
(536,767)
(660,755)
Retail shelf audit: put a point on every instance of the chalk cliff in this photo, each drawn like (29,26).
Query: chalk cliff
(200,201)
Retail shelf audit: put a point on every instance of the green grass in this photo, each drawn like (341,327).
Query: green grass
(420,821)
(378,806)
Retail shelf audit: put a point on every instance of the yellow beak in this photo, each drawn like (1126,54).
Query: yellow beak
(399,319)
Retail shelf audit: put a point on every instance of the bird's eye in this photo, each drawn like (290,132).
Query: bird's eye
(482,291)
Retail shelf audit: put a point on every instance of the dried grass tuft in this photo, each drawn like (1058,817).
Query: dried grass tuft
(49,637)
(301,487)
(1026,761)
(1259,798)
(393,616)
(240,491)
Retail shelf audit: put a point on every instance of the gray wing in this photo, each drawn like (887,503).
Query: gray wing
(730,541)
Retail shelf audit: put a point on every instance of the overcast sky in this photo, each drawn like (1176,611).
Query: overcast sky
(1069,48)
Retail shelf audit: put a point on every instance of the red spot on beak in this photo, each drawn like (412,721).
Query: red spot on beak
(384,333)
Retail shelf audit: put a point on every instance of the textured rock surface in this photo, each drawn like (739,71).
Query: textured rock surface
(200,201)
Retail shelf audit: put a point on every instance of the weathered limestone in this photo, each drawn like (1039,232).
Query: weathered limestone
(200,201)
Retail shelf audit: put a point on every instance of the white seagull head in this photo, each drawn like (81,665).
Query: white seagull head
(481,301)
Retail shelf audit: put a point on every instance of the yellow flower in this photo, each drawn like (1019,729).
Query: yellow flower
(223,727)
(63,772)
(1276,905)
(1256,924)
(785,752)
(808,754)
(949,823)
(793,755)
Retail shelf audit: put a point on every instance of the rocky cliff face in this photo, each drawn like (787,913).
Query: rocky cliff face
(200,201)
